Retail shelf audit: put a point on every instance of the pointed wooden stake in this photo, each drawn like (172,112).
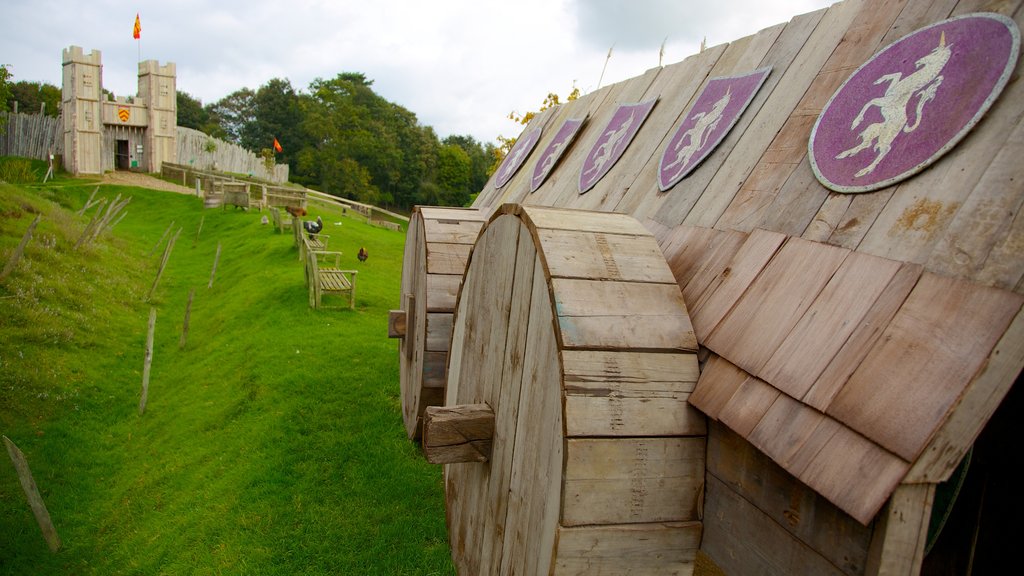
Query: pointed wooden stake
(28,484)
(148,362)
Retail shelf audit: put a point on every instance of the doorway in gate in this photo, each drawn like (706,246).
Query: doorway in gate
(122,161)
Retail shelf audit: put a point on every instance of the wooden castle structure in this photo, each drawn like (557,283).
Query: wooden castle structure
(123,133)
(760,360)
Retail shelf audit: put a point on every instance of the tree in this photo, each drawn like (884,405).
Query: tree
(276,114)
(480,159)
(233,113)
(191,113)
(31,96)
(5,90)
(453,175)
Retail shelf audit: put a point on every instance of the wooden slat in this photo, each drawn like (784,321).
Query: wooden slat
(632,480)
(976,406)
(728,286)
(535,488)
(444,258)
(763,317)
(622,315)
(476,358)
(697,256)
(442,289)
(638,549)
(922,363)
(784,429)
(899,541)
(812,520)
(828,323)
(527,271)
(748,405)
(439,331)
(741,539)
(453,434)
(601,256)
(434,368)
(454,231)
(630,394)
(718,382)
(862,338)
(854,474)
(991,207)
(582,221)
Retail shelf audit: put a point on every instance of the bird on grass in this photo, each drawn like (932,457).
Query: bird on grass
(313,227)
(363,254)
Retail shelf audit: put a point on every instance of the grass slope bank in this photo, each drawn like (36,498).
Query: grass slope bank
(271,444)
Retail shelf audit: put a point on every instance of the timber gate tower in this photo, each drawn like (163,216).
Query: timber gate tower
(121,134)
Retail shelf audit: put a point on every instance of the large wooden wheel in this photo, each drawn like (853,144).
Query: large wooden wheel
(437,245)
(569,444)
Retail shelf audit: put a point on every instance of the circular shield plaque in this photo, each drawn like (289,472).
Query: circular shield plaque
(912,102)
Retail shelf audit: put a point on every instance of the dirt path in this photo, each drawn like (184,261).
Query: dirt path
(142,180)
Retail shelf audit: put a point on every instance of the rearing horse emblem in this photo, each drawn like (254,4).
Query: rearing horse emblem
(897,106)
(912,102)
(613,141)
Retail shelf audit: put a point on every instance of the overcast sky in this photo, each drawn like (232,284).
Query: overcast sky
(460,65)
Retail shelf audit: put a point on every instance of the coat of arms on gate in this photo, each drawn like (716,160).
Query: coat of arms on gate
(912,102)
(559,144)
(516,156)
(613,141)
(707,122)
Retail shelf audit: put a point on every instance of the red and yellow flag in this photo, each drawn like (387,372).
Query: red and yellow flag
(277,146)
(137,30)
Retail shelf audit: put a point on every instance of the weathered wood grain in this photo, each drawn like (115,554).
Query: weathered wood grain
(602,256)
(35,500)
(924,360)
(462,433)
(719,380)
(638,549)
(751,332)
(902,531)
(632,480)
(812,520)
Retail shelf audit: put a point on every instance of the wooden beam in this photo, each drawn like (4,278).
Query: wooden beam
(453,434)
(16,255)
(396,324)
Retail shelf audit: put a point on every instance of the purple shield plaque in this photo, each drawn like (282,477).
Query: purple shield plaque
(614,140)
(516,156)
(549,159)
(704,127)
(912,102)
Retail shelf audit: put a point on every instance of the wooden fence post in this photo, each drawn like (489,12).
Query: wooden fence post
(201,219)
(20,249)
(28,484)
(163,264)
(89,201)
(160,241)
(148,361)
(188,315)
(214,271)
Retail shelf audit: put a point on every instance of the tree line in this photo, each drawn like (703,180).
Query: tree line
(339,136)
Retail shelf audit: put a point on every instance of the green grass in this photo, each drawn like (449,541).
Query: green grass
(271,444)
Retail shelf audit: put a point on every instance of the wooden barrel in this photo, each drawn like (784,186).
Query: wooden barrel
(437,245)
(569,443)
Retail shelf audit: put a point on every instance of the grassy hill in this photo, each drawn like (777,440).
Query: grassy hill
(272,443)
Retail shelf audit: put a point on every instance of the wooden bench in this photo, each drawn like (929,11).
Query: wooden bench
(325,277)
(279,219)
(305,241)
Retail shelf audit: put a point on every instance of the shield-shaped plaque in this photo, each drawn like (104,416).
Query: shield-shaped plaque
(704,127)
(912,102)
(614,140)
(549,159)
(516,156)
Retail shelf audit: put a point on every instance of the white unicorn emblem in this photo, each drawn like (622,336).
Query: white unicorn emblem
(605,150)
(922,84)
(513,161)
(706,122)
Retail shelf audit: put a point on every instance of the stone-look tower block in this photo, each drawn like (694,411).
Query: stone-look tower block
(81,97)
(158,92)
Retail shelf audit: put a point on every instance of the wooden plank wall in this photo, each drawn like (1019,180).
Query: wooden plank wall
(960,218)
